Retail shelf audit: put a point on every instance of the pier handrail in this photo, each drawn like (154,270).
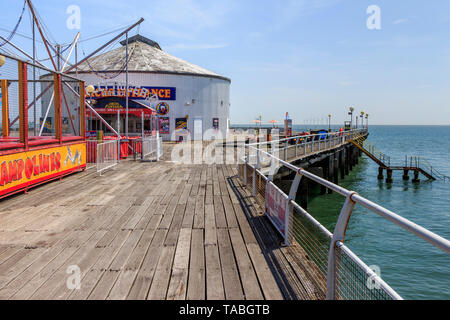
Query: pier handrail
(336,245)
(352,133)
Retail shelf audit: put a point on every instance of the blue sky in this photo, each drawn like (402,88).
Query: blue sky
(310,58)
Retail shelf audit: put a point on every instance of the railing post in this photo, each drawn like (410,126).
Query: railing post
(254,173)
(285,150)
(289,208)
(296,146)
(158,155)
(338,235)
(245,169)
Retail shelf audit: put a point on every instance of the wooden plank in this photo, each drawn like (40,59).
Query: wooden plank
(196,283)
(214,280)
(174,229)
(188,219)
(269,286)
(141,285)
(250,282)
(221,221)
(178,281)
(160,283)
(231,281)
(90,280)
(210,225)
(199,215)
(229,212)
(108,279)
(246,230)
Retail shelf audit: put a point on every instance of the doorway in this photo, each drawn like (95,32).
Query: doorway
(198,129)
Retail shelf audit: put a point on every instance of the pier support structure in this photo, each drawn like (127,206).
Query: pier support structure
(336,169)
(342,163)
(389,178)
(416,177)
(380,173)
(405,174)
(303,193)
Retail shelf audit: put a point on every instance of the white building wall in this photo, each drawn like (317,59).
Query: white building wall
(196,96)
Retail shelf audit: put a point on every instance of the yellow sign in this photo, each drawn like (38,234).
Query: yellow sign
(20,170)
(113,105)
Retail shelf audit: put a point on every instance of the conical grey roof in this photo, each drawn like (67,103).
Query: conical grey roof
(145,55)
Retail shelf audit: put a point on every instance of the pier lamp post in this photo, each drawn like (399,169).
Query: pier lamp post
(329,122)
(362,119)
(367,120)
(90,90)
(351,117)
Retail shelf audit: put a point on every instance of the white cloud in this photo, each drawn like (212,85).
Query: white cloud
(400,21)
(346,83)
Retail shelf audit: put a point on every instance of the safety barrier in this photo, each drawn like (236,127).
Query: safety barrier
(107,155)
(152,147)
(347,276)
(289,149)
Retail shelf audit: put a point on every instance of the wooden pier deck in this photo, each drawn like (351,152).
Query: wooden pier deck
(148,231)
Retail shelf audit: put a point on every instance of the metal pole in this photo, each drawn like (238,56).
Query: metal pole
(76,59)
(105,45)
(142,128)
(118,122)
(126,92)
(34,77)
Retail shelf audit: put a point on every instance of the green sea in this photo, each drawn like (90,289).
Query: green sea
(411,266)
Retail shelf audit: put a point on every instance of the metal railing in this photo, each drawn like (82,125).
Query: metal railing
(347,276)
(424,164)
(107,155)
(293,148)
(382,157)
(152,147)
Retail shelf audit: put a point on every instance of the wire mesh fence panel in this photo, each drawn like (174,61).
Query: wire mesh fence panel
(311,237)
(352,282)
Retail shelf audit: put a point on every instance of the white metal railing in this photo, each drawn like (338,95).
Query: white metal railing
(107,155)
(291,148)
(152,147)
(347,277)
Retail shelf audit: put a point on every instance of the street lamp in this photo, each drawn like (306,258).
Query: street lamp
(90,90)
(329,122)
(2,61)
(367,120)
(362,119)
(351,117)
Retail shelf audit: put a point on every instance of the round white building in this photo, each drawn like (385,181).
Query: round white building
(192,102)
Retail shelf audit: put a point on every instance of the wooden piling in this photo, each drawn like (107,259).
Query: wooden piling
(335,169)
(380,173)
(389,178)
(416,177)
(303,193)
(405,174)
(342,163)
